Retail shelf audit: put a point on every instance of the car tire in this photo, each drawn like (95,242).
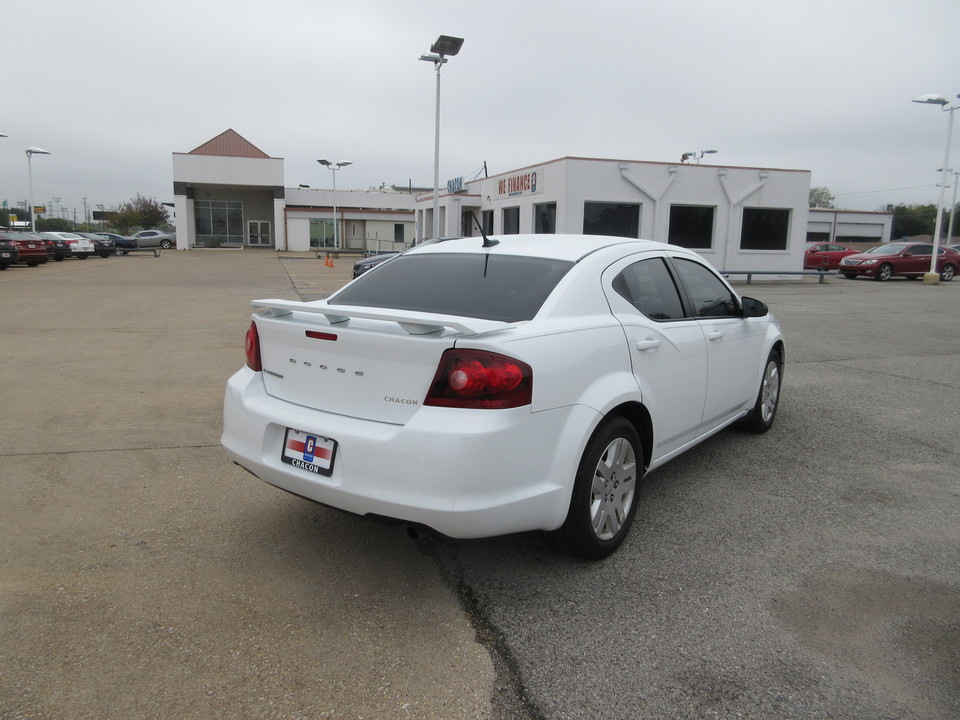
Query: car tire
(605,491)
(32,263)
(120,251)
(104,255)
(764,410)
(948,273)
(82,256)
(884,272)
(166,244)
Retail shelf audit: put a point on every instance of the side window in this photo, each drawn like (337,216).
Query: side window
(710,296)
(647,286)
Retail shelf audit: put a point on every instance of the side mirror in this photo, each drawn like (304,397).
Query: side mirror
(754,308)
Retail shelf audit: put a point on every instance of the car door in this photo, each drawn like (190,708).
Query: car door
(668,351)
(734,343)
(916,260)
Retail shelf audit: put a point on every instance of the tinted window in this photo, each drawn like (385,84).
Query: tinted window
(709,295)
(765,229)
(648,286)
(491,287)
(620,219)
(691,226)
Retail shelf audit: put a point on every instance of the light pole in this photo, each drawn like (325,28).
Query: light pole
(933,277)
(445,45)
(953,204)
(696,154)
(30,153)
(333,167)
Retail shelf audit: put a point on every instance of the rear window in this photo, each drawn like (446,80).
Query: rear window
(507,288)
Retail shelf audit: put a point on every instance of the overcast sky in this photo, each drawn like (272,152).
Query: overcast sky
(112,88)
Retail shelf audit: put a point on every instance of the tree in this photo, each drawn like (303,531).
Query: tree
(140,212)
(910,220)
(53,225)
(821,197)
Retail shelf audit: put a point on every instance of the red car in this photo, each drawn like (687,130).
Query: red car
(33,251)
(905,259)
(825,256)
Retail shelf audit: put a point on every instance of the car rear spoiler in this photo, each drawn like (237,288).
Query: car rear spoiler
(414,323)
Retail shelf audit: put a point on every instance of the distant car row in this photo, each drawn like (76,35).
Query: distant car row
(33,249)
(896,259)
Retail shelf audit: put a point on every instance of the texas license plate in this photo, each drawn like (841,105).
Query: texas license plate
(308,451)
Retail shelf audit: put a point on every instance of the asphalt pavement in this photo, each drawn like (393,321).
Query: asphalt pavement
(812,572)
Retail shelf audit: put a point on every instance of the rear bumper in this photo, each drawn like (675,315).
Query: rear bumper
(464,473)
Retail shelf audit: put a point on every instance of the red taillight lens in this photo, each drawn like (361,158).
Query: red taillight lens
(479,379)
(251,347)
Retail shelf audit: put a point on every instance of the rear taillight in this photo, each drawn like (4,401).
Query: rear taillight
(479,379)
(251,347)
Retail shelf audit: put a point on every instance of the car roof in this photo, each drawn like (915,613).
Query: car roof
(562,247)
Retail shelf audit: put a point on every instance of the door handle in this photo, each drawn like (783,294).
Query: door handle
(648,344)
(714,335)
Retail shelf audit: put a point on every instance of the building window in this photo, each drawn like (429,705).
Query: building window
(219,222)
(765,229)
(621,219)
(321,233)
(398,232)
(691,226)
(545,218)
(486,219)
(511,221)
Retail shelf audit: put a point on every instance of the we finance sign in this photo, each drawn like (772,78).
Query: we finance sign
(524,183)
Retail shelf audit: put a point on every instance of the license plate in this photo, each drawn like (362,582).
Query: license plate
(309,451)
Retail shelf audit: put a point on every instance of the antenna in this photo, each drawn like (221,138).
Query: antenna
(487,242)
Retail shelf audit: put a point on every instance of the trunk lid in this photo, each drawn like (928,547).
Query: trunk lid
(374,365)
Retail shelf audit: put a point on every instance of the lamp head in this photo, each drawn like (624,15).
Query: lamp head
(326,163)
(447,45)
(37,151)
(932,99)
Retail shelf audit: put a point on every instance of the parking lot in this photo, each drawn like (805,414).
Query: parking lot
(812,572)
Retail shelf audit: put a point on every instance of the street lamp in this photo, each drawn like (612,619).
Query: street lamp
(695,154)
(333,167)
(445,45)
(933,277)
(30,153)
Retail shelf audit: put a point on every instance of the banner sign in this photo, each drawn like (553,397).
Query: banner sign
(524,183)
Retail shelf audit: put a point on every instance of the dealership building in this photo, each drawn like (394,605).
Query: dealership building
(229,193)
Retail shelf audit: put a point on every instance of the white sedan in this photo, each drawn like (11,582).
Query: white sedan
(489,386)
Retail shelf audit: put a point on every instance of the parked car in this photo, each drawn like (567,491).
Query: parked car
(903,259)
(154,238)
(9,253)
(825,256)
(490,386)
(80,247)
(31,251)
(104,247)
(368,263)
(57,249)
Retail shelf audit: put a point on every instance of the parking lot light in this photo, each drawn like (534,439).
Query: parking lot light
(444,46)
(31,151)
(933,277)
(333,167)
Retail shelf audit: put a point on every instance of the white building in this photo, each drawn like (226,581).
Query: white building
(738,218)
(849,226)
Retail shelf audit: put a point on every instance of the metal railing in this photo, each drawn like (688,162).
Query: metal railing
(822,274)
